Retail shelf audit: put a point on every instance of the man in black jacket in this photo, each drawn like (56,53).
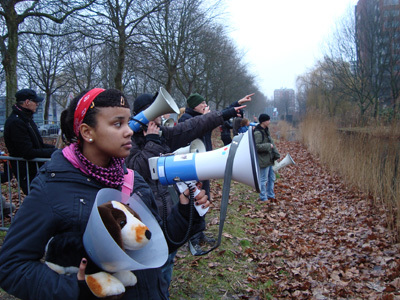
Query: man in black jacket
(22,137)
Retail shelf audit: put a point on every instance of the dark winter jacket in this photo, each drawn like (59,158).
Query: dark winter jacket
(60,201)
(190,113)
(172,138)
(265,152)
(22,139)
(206,138)
(226,129)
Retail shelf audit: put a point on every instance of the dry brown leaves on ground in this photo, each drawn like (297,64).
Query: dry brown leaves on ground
(327,241)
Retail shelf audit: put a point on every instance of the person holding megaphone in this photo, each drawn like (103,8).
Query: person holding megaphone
(54,216)
(197,106)
(156,139)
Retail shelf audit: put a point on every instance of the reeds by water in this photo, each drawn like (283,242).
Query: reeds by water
(367,158)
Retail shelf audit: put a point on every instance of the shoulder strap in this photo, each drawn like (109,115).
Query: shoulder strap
(262,133)
(127,187)
(226,189)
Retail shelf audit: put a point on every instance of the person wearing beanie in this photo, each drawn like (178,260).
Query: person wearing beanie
(267,153)
(264,117)
(154,140)
(194,100)
(22,137)
(197,106)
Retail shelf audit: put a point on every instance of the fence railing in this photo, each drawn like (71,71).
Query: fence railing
(10,187)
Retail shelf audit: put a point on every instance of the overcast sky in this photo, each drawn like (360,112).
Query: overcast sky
(282,39)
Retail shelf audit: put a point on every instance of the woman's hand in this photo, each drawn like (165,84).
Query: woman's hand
(245,99)
(200,199)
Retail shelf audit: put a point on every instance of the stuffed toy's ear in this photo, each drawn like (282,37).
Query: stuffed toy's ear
(113,219)
(135,234)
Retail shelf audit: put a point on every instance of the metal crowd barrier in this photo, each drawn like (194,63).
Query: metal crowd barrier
(10,186)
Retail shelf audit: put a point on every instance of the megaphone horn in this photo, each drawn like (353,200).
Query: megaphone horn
(163,104)
(169,122)
(288,160)
(209,165)
(196,145)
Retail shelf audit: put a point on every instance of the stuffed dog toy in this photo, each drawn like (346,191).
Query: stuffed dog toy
(65,251)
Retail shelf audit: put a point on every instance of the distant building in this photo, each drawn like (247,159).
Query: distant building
(378,44)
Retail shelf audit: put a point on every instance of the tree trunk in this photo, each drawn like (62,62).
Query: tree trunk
(10,61)
(120,64)
(46,107)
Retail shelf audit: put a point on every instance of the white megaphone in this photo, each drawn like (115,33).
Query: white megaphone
(210,165)
(196,145)
(163,104)
(170,122)
(288,160)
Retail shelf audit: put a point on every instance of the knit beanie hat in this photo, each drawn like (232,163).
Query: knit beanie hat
(263,118)
(142,102)
(194,100)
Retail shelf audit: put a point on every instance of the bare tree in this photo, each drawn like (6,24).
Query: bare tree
(216,71)
(13,14)
(301,95)
(114,23)
(357,58)
(170,39)
(42,60)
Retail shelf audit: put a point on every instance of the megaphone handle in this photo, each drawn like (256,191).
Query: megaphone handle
(182,186)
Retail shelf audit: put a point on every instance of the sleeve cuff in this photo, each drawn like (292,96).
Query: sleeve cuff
(229,113)
(153,138)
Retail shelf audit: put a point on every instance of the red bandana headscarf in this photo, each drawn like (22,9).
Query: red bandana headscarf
(83,106)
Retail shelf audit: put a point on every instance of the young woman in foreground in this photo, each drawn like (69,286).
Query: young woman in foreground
(62,195)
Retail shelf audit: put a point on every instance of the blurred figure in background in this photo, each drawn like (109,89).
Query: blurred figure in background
(226,135)
(236,123)
(22,137)
(266,154)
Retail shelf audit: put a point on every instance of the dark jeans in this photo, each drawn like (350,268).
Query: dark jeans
(168,267)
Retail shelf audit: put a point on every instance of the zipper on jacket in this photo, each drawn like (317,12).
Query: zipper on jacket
(81,204)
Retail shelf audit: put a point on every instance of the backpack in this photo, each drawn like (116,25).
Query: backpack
(127,187)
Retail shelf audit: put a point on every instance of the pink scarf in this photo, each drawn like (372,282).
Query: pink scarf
(113,176)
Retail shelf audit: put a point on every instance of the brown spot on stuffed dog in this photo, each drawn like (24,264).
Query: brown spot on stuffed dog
(65,251)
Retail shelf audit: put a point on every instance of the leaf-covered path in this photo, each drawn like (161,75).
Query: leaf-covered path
(327,240)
